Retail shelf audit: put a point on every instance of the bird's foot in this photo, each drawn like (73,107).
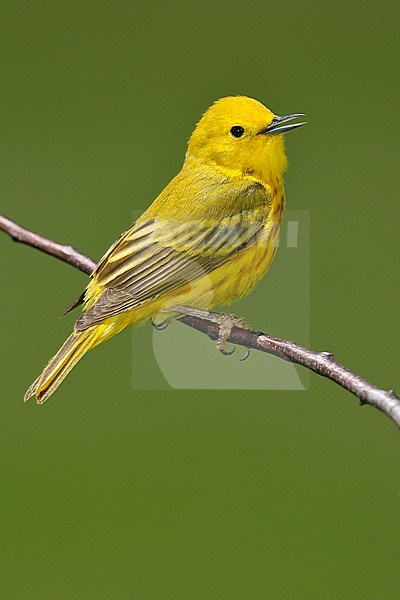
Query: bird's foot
(226,322)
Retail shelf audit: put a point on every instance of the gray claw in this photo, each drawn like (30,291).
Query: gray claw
(160,326)
(245,355)
(227,352)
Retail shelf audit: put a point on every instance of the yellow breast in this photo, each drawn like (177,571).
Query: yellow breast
(240,275)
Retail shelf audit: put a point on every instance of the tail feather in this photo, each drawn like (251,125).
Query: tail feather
(78,343)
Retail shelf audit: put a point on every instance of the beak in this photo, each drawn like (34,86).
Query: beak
(277,127)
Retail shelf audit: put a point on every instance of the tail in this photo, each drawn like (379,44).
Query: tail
(78,343)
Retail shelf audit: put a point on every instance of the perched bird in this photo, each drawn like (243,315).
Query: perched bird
(206,240)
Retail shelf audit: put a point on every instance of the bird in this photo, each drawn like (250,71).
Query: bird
(205,241)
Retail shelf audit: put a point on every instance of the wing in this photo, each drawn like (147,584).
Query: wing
(159,256)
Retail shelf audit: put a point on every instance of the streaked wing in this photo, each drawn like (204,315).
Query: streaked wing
(159,256)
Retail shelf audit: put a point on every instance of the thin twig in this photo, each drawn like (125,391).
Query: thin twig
(322,363)
(68,254)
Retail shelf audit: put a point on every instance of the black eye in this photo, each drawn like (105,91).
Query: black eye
(237,131)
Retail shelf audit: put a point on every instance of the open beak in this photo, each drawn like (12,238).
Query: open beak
(276,126)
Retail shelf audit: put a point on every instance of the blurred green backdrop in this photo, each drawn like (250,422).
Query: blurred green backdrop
(115,492)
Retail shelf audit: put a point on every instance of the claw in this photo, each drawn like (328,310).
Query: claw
(227,352)
(160,326)
(245,355)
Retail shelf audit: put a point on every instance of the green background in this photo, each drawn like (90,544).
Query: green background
(114,492)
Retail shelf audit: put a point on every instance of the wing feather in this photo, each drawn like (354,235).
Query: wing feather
(159,256)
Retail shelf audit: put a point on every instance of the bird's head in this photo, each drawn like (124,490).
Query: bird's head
(240,134)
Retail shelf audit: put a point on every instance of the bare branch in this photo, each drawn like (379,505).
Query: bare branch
(322,363)
(66,253)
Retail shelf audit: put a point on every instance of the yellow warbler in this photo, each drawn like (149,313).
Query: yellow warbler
(206,240)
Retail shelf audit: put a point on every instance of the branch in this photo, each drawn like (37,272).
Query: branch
(68,254)
(322,363)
